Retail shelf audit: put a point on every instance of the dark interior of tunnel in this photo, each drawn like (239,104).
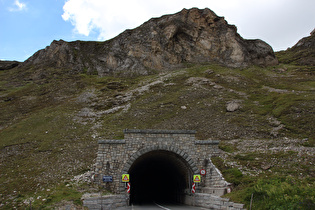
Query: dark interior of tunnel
(158,176)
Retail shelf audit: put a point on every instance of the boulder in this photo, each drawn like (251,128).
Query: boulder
(232,106)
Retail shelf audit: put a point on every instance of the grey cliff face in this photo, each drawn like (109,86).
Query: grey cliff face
(190,36)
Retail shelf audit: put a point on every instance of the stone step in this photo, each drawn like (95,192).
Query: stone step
(216,180)
(215,177)
(218,191)
(217,183)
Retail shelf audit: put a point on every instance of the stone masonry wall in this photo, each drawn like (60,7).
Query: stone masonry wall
(107,202)
(115,157)
(212,202)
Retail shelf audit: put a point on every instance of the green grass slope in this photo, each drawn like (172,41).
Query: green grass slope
(51,119)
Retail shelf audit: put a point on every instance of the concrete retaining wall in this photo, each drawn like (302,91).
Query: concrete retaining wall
(204,200)
(212,202)
(107,202)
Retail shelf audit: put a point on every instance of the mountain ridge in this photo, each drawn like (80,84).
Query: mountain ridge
(189,36)
(52,115)
(302,53)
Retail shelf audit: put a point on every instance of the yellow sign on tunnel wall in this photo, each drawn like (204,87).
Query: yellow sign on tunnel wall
(197,178)
(125,178)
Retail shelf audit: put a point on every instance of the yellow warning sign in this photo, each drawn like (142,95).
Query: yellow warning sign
(197,178)
(125,178)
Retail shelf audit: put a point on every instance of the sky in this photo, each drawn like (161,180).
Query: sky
(27,26)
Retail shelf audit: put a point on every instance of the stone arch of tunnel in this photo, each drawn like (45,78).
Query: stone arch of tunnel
(161,164)
(160,175)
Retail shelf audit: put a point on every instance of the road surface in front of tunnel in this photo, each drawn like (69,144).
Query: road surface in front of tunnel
(157,206)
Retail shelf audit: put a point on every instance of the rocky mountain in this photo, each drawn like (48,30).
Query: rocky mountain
(190,36)
(58,103)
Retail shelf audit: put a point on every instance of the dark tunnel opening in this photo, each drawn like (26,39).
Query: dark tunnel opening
(159,176)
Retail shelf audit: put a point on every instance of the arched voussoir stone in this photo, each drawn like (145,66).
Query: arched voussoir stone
(181,153)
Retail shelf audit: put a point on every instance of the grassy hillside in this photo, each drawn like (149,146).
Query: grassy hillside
(51,119)
(302,53)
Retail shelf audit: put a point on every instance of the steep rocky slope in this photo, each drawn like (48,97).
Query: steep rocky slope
(50,124)
(190,36)
(302,53)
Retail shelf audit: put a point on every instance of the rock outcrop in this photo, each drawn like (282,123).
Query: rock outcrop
(302,53)
(306,42)
(6,65)
(190,36)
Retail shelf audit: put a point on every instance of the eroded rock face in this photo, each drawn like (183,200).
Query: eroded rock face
(302,53)
(190,36)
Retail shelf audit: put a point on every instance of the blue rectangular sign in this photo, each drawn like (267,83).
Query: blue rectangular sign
(107,179)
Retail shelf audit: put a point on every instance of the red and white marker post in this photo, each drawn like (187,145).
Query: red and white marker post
(128,187)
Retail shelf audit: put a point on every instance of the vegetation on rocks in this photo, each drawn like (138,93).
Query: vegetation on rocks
(279,175)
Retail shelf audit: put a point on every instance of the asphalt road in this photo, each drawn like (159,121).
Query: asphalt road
(156,206)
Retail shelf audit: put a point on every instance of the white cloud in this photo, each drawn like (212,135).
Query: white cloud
(18,6)
(109,18)
(263,19)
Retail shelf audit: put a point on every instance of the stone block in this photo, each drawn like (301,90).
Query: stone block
(238,205)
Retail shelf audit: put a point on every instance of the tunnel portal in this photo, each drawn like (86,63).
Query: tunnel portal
(161,165)
(159,176)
